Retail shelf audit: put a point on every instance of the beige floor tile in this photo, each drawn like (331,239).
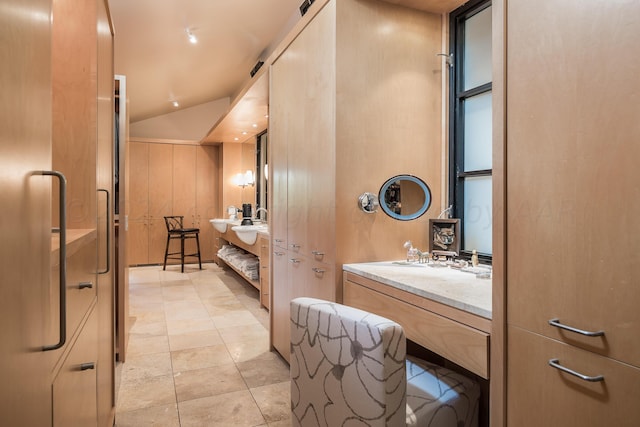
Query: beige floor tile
(194,340)
(235,334)
(157,416)
(234,318)
(244,351)
(181,326)
(237,409)
(154,391)
(198,358)
(264,371)
(148,329)
(208,382)
(274,401)
(220,367)
(148,345)
(142,366)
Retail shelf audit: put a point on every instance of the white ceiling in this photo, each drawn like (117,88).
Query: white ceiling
(152,48)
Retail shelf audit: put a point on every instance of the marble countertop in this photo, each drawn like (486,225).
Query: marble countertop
(445,285)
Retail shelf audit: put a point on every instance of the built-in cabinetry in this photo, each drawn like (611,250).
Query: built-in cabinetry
(573,214)
(345,115)
(228,243)
(170,179)
(82,376)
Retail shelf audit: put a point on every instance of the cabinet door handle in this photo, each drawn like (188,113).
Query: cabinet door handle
(62,253)
(294,261)
(317,253)
(85,285)
(87,366)
(108,267)
(557,324)
(279,253)
(294,246)
(278,240)
(555,363)
(318,270)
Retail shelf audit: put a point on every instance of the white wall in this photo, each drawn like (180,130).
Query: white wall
(189,124)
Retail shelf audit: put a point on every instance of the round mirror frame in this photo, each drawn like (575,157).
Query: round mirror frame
(425,206)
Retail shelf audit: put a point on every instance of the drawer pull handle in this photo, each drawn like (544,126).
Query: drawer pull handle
(317,253)
(557,324)
(87,366)
(85,285)
(278,240)
(318,270)
(294,260)
(279,253)
(555,363)
(294,246)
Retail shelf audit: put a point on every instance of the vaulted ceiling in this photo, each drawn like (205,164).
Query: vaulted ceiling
(152,48)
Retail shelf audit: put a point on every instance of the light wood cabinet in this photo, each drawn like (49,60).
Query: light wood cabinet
(170,179)
(332,115)
(264,255)
(573,213)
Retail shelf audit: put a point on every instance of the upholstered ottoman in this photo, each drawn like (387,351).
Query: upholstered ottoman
(440,397)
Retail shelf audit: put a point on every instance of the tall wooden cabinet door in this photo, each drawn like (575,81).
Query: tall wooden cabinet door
(160,198)
(106,229)
(25,212)
(138,198)
(184,183)
(573,198)
(207,158)
(280,299)
(541,395)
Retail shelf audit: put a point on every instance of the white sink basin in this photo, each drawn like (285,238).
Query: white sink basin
(249,233)
(221,224)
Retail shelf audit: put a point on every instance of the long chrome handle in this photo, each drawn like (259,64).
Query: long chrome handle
(62,253)
(557,324)
(108,234)
(555,363)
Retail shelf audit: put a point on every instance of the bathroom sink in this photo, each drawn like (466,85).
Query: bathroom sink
(221,224)
(249,233)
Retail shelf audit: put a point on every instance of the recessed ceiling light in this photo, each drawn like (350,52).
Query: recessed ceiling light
(244,132)
(255,125)
(175,104)
(235,139)
(192,38)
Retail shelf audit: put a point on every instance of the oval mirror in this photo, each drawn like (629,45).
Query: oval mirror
(405,197)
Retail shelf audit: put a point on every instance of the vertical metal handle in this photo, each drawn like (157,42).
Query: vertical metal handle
(62,252)
(108,234)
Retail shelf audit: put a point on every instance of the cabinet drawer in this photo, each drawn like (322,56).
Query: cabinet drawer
(461,344)
(80,288)
(74,387)
(567,401)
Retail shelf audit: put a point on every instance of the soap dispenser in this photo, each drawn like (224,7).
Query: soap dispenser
(246,214)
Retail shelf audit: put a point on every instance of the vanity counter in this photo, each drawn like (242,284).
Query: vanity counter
(444,310)
(445,285)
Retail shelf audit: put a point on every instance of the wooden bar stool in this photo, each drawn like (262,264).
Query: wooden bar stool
(175,230)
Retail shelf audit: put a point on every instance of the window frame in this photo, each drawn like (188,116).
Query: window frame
(457,97)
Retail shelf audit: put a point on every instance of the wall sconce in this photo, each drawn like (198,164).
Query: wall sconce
(244,179)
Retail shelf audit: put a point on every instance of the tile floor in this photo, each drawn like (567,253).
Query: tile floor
(198,353)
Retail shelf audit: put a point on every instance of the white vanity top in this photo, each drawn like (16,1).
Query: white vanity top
(445,285)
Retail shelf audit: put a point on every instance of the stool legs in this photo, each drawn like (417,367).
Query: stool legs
(166,253)
(182,254)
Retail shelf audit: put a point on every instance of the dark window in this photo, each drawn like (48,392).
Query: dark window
(470,126)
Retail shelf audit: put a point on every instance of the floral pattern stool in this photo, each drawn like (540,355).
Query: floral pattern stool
(349,368)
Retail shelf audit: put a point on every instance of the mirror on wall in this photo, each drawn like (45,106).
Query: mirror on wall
(404,197)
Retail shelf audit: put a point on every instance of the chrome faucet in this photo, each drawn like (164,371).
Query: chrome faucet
(232,211)
(265,213)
